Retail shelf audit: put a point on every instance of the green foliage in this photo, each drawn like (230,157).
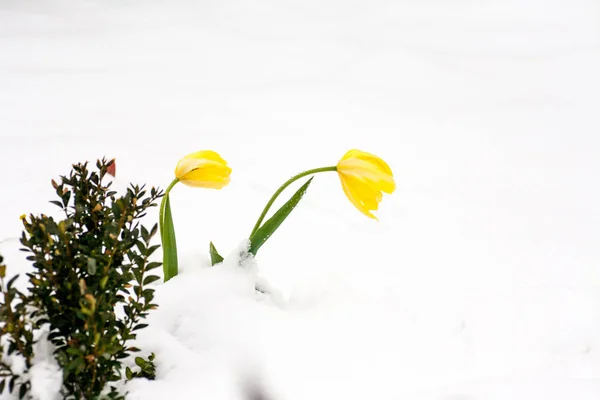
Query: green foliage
(260,236)
(147,369)
(169,242)
(215,257)
(87,267)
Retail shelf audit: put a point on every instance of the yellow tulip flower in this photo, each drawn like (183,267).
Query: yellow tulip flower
(364,176)
(205,169)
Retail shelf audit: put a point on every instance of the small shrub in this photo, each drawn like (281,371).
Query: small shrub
(88,268)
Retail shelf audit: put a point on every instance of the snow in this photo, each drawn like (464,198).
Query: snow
(481,279)
(46,375)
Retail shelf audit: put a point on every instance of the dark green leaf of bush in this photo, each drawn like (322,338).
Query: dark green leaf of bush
(149,279)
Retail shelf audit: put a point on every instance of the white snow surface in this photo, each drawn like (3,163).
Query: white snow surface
(482,279)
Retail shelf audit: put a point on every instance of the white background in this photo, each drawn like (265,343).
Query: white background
(482,278)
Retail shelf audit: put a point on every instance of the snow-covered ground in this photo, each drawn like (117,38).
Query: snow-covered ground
(482,278)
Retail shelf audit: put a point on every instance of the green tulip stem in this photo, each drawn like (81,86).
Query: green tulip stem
(282,188)
(161,213)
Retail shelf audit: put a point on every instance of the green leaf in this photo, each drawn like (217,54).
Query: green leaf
(73,365)
(139,326)
(153,265)
(11,281)
(22,391)
(103,282)
(57,203)
(153,230)
(170,266)
(270,226)
(137,273)
(113,378)
(74,351)
(144,233)
(151,250)
(66,197)
(141,247)
(128,373)
(215,257)
(149,279)
(117,209)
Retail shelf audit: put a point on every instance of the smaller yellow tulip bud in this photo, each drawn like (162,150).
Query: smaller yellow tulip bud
(205,169)
(364,176)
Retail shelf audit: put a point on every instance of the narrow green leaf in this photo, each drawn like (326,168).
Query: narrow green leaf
(139,326)
(153,230)
(11,281)
(215,257)
(270,226)
(57,203)
(170,266)
(144,233)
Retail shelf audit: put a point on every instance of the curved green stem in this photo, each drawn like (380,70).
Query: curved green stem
(161,212)
(282,188)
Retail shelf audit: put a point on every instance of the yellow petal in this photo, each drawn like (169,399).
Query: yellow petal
(371,172)
(373,159)
(208,155)
(203,168)
(364,176)
(211,178)
(198,159)
(368,195)
(369,158)
(355,198)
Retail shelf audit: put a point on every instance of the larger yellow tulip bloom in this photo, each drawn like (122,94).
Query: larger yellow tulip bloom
(205,169)
(364,176)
